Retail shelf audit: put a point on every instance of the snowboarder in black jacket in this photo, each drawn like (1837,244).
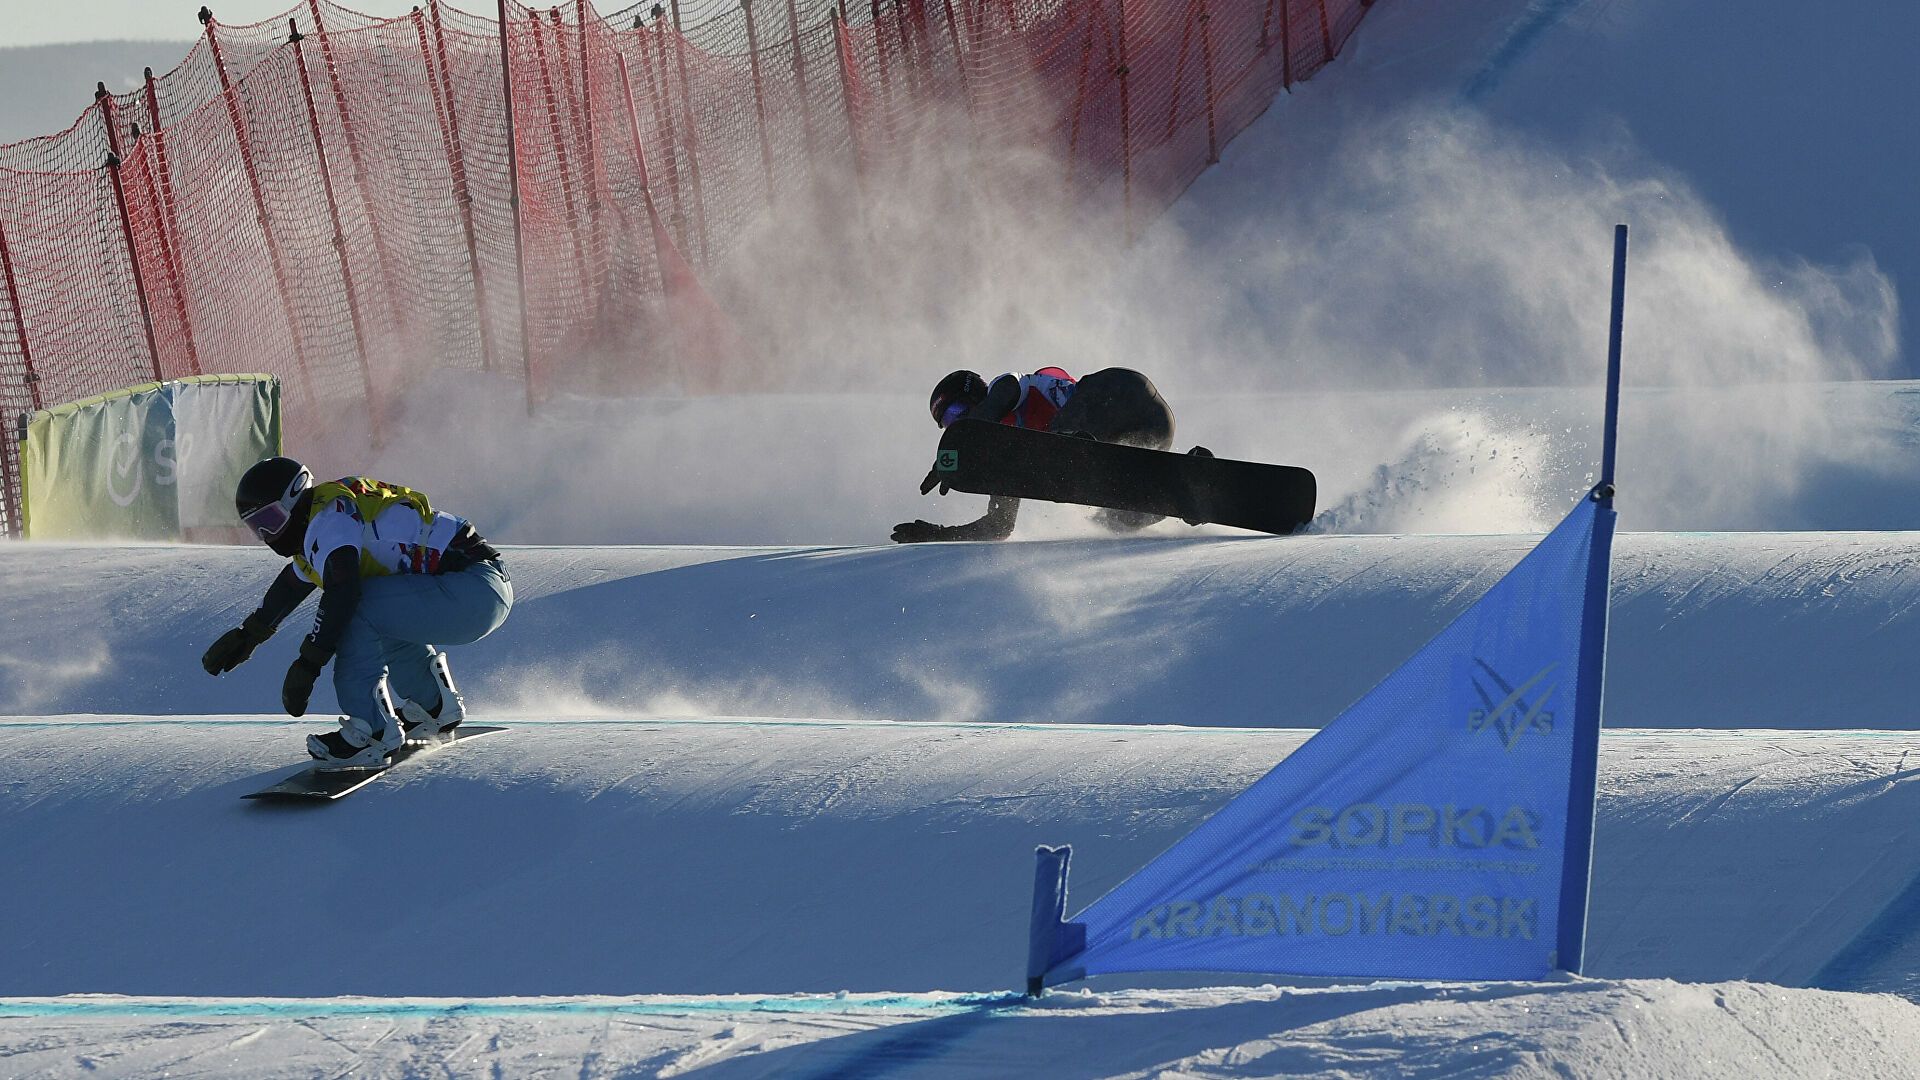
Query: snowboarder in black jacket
(1117,405)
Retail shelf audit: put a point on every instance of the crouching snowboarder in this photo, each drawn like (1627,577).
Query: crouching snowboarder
(1112,405)
(398,579)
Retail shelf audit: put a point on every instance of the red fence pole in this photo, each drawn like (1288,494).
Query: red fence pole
(259,203)
(566,74)
(581,11)
(1179,72)
(160,155)
(1206,65)
(176,284)
(960,62)
(1326,34)
(1126,123)
(9,509)
(663,115)
(846,93)
(886,76)
(513,201)
(1079,93)
(1286,44)
(1196,17)
(133,260)
(160,188)
(1286,38)
(105,101)
(579,127)
(646,180)
(800,80)
(693,138)
(9,443)
(394,311)
(759,96)
(903,17)
(457,166)
(560,152)
(19,325)
(295,38)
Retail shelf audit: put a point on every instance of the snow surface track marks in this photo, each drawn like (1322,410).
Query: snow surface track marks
(1638,1029)
(712,857)
(1782,630)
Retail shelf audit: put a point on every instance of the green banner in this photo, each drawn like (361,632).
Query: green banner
(147,462)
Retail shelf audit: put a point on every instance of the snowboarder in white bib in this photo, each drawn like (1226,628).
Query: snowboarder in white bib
(398,579)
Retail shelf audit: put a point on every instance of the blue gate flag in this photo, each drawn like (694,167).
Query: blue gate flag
(1440,828)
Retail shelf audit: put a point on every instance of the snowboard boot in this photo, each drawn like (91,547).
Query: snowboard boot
(1124,521)
(357,745)
(424,725)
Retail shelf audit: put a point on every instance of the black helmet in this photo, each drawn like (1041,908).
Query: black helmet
(960,388)
(268,492)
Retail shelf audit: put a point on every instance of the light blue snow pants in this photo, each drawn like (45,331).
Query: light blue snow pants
(398,617)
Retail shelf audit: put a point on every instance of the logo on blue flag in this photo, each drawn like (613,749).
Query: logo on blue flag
(1512,716)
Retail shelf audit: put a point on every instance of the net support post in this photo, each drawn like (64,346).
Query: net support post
(558,130)
(800,83)
(159,177)
(840,52)
(245,144)
(961,66)
(105,102)
(646,176)
(579,127)
(1206,66)
(584,15)
(449,120)
(759,96)
(1124,73)
(513,203)
(19,320)
(339,238)
(692,137)
(361,182)
(1080,91)
(1286,38)
(884,68)
(660,90)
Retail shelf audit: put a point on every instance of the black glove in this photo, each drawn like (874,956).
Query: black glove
(301,677)
(917,532)
(237,644)
(933,480)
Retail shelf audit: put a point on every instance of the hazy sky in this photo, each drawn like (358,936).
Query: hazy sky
(42,22)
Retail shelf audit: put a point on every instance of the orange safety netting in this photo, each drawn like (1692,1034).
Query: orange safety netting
(347,202)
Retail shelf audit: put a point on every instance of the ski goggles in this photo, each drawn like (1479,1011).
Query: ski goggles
(947,413)
(267,521)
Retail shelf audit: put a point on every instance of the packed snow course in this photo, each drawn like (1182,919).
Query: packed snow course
(769,811)
(793,772)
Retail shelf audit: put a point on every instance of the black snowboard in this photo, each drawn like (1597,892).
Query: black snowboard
(998,459)
(327,784)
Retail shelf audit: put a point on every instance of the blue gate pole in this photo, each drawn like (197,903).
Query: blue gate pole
(1613,357)
(1049,908)
(1583,783)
